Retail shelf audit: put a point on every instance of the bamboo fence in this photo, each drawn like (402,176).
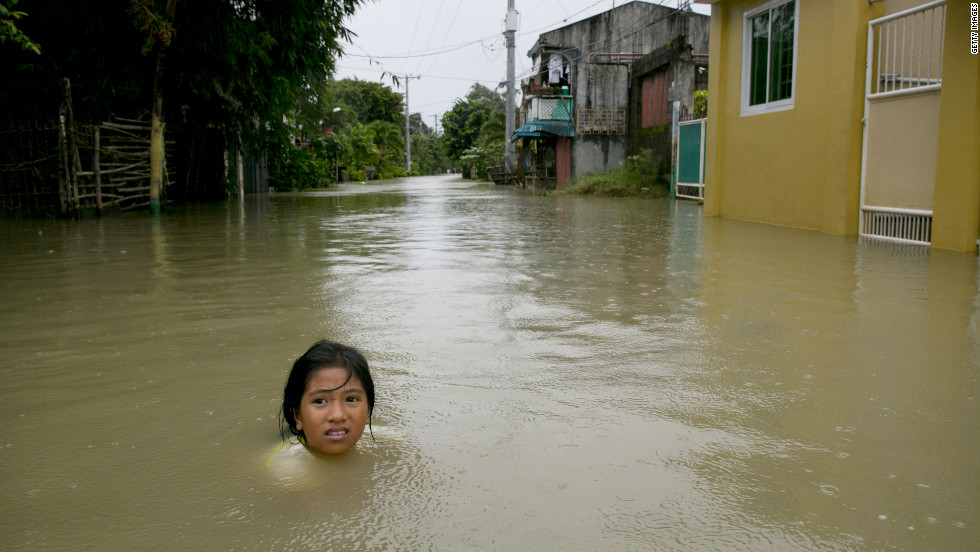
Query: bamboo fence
(63,168)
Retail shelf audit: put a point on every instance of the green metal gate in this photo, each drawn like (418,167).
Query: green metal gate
(690,159)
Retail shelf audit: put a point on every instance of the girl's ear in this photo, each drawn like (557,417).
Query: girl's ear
(299,420)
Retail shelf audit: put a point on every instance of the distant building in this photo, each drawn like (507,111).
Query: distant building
(811,125)
(602,88)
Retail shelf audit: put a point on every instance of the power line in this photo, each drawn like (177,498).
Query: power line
(425,54)
(425,75)
(438,51)
(634,29)
(452,22)
(416,28)
(429,41)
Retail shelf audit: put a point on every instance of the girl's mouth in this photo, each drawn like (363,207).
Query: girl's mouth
(336,434)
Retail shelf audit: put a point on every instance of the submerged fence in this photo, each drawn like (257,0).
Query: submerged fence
(58,167)
(30,168)
(53,168)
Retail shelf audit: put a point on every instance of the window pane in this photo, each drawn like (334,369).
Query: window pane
(759,61)
(781,57)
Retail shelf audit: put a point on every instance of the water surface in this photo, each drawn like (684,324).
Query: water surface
(552,374)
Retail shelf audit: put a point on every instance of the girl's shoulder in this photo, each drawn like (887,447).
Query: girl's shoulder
(286,450)
(291,465)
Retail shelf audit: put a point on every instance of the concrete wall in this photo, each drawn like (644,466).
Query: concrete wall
(956,207)
(596,153)
(637,27)
(798,167)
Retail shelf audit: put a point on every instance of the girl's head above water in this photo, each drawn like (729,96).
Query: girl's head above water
(328,398)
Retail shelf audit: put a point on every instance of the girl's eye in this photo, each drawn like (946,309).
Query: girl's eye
(319,400)
(353,399)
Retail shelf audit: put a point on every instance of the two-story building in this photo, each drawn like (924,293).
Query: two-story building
(846,116)
(601,89)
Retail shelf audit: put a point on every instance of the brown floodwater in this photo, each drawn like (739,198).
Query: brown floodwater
(552,374)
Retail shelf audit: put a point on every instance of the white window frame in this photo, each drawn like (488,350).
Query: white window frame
(768,106)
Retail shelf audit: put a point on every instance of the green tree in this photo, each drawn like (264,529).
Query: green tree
(357,150)
(234,69)
(365,102)
(160,32)
(389,145)
(428,155)
(247,63)
(93,44)
(8,27)
(463,123)
(489,147)
(465,126)
(417,125)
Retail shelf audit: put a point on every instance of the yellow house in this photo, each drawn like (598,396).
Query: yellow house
(811,124)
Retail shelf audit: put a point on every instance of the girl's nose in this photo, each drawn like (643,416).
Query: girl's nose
(335,411)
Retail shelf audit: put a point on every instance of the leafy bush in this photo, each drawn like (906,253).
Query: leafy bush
(700,104)
(480,158)
(298,169)
(637,177)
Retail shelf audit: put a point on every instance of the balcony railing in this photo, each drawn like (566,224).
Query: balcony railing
(601,121)
(905,51)
(549,108)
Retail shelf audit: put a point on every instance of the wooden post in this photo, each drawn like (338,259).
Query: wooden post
(97,170)
(63,174)
(72,149)
(156,139)
(157,144)
(239,165)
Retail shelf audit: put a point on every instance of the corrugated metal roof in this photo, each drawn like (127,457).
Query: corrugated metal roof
(535,128)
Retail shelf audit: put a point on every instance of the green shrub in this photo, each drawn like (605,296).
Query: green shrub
(298,169)
(637,177)
(481,158)
(700,104)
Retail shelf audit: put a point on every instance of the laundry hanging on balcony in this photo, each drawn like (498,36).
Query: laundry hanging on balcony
(554,69)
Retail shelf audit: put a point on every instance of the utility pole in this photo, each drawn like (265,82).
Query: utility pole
(510,28)
(408,136)
(435,124)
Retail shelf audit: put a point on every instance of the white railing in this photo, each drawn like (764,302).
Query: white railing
(551,108)
(897,225)
(905,51)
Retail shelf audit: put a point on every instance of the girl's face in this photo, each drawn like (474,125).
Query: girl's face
(332,421)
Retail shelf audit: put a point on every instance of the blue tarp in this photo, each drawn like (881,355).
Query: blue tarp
(535,128)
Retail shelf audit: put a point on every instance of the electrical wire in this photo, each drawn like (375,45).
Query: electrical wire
(427,76)
(429,41)
(635,28)
(449,28)
(415,30)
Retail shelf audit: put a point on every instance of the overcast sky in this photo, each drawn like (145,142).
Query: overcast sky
(450,44)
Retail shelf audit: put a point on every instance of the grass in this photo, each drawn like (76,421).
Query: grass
(636,178)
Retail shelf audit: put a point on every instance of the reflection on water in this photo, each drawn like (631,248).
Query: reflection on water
(552,373)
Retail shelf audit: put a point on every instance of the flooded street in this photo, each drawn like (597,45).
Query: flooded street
(551,374)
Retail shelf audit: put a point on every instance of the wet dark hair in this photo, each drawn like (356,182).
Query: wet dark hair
(323,354)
